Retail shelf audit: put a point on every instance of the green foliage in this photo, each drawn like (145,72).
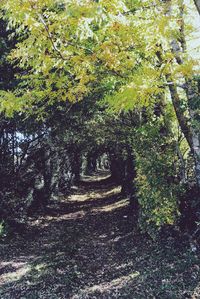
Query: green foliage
(157,177)
(68,49)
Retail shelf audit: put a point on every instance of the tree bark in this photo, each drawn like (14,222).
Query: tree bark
(193,94)
(191,134)
(91,165)
(128,184)
(76,167)
(197,4)
(182,120)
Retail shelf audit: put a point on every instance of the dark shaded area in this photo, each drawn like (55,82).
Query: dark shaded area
(190,209)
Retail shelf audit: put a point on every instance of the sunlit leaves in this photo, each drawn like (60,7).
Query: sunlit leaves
(9,103)
(144,85)
(75,45)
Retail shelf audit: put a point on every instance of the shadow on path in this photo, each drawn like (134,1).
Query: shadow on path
(88,246)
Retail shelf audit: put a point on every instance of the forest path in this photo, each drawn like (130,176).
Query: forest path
(88,246)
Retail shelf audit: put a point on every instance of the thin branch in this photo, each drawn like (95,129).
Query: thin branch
(53,43)
(51,37)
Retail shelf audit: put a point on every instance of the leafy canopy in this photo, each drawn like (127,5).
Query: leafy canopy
(67,49)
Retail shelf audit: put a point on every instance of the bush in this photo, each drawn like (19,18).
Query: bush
(157,179)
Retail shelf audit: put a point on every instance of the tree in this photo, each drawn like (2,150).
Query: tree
(197,3)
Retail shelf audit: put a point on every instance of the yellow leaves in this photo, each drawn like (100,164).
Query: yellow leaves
(122,34)
(162,25)
(47,64)
(76,93)
(186,69)
(86,39)
(77,59)
(116,26)
(115,55)
(108,54)
(9,103)
(113,7)
(32,23)
(108,58)
(143,86)
(147,82)
(85,79)
(83,69)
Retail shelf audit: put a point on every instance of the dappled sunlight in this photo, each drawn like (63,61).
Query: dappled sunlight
(43,222)
(196,292)
(111,207)
(13,271)
(96,177)
(71,216)
(123,237)
(124,266)
(107,286)
(88,246)
(85,202)
(94,195)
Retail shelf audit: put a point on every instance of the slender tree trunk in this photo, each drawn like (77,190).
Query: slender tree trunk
(76,167)
(197,3)
(176,101)
(193,94)
(91,166)
(182,120)
(128,184)
(191,134)
(117,167)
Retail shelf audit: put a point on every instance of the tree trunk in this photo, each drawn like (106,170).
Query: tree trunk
(128,184)
(117,168)
(182,120)
(191,134)
(91,165)
(193,94)
(197,3)
(76,167)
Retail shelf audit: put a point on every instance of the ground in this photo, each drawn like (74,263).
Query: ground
(88,245)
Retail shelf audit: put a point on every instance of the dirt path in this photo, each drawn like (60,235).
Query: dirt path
(88,246)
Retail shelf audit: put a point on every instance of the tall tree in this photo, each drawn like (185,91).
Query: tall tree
(197,3)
